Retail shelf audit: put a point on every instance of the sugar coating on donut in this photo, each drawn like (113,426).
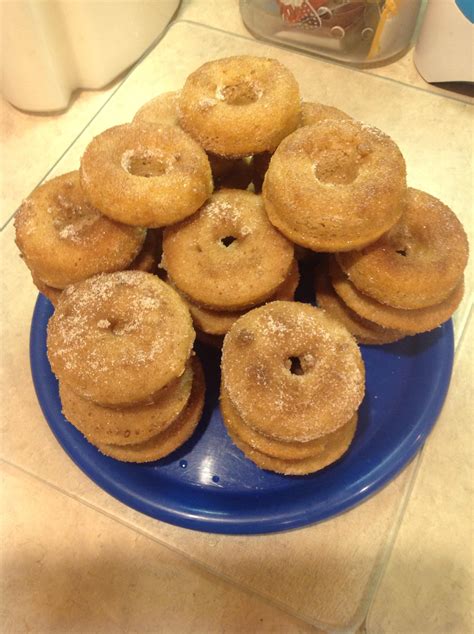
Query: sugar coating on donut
(335,185)
(411,321)
(291,371)
(117,339)
(64,239)
(313,112)
(227,256)
(418,262)
(146,174)
(239,106)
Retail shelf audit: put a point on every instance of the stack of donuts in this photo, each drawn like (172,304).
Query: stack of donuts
(120,345)
(219,188)
(292,381)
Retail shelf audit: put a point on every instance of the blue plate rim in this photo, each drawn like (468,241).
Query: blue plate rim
(374,480)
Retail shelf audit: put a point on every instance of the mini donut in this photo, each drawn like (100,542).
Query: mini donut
(63,239)
(150,254)
(238,106)
(335,185)
(334,449)
(172,437)
(292,372)
(227,256)
(215,322)
(161,110)
(364,331)
(117,339)
(276,448)
(418,262)
(409,321)
(145,174)
(310,113)
(129,425)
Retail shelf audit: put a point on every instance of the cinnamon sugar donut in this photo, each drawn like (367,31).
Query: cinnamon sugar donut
(118,339)
(409,321)
(418,262)
(63,239)
(238,106)
(128,425)
(365,331)
(215,322)
(270,446)
(161,110)
(335,185)
(145,174)
(292,372)
(172,437)
(227,256)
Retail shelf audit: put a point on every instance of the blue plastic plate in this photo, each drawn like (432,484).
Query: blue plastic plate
(209,485)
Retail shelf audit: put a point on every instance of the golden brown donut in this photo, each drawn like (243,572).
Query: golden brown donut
(149,257)
(215,322)
(409,321)
(334,449)
(418,262)
(63,239)
(117,339)
(129,425)
(227,256)
(238,106)
(161,110)
(292,372)
(172,437)
(270,446)
(365,331)
(335,185)
(145,174)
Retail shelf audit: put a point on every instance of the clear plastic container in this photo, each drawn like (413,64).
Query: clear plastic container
(351,31)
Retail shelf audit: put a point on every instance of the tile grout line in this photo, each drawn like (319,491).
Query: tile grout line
(195,562)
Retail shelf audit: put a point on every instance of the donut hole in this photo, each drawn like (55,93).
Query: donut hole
(299,365)
(71,218)
(227,241)
(242,93)
(147,164)
(116,327)
(403,252)
(336,167)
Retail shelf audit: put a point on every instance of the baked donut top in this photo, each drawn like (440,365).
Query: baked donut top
(238,106)
(117,339)
(418,262)
(292,372)
(227,256)
(335,184)
(64,239)
(145,174)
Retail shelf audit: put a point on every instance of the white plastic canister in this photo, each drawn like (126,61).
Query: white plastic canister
(52,47)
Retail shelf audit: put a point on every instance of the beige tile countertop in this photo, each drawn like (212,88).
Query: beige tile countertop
(76,560)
